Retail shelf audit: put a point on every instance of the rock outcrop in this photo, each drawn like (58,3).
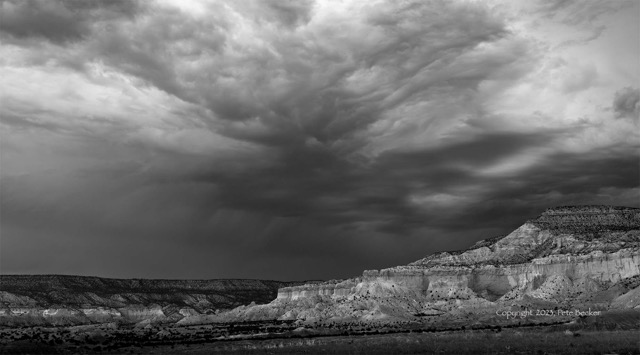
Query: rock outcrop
(581,256)
(28,300)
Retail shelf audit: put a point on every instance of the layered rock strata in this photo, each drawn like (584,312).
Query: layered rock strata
(576,256)
(27,300)
(581,256)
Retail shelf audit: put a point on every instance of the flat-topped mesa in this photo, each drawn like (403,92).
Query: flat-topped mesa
(565,252)
(588,219)
(568,256)
(86,291)
(71,300)
(568,230)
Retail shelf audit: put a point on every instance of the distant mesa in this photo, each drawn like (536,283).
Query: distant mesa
(570,257)
(61,300)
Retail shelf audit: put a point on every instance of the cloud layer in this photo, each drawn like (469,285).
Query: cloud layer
(303,139)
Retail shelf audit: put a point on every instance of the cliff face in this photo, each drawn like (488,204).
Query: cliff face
(585,256)
(567,257)
(67,300)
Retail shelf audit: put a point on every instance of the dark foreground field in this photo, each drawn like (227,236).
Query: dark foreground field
(469,342)
(614,332)
(510,341)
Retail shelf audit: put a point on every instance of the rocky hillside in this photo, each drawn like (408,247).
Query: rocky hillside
(581,256)
(58,300)
(569,258)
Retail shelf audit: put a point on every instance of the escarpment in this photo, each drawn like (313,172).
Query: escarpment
(568,256)
(69,300)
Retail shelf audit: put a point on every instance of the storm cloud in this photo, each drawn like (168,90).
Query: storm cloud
(302,139)
(626,102)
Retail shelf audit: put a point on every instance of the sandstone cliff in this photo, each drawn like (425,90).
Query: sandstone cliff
(581,256)
(567,258)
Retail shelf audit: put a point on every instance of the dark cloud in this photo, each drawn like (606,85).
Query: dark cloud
(60,21)
(312,208)
(299,84)
(322,185)
(288,140)
(626,102)
(289,13)
(600,177)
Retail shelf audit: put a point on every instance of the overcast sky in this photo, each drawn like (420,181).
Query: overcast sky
(303,139)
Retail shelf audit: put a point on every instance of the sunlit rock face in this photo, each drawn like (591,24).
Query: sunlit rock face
(101,314)
(576,255)
(585,256)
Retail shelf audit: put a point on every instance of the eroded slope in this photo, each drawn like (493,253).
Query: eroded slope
(66,300)
(580,256)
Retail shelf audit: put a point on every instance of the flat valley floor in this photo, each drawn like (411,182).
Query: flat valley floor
(471,342)
(509,341)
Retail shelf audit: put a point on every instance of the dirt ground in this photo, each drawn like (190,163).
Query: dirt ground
(511,341)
